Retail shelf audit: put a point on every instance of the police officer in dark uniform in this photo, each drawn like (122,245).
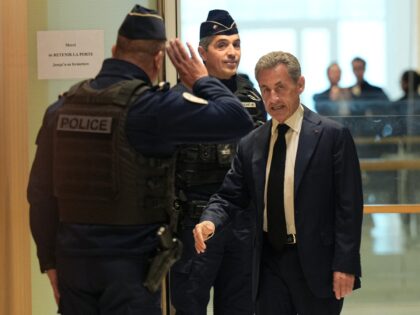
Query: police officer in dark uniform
(101,184)
(200,171)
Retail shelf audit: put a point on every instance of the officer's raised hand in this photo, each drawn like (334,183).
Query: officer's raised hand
(202,232)
(188,65)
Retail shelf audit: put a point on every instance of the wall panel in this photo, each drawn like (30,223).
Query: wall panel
(15,293)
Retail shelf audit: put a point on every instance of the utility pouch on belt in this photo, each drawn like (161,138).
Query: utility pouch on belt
(169,251)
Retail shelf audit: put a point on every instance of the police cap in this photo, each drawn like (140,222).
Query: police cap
(219,22)
(143,23)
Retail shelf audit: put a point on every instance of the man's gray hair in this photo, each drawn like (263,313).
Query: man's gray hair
(275,58)
(206,41)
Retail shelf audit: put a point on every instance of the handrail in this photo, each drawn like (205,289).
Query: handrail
(400,208)
(387,140)
(385,164)
(377,164)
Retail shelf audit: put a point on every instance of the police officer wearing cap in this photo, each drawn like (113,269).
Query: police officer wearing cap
(101,184)
(200,171)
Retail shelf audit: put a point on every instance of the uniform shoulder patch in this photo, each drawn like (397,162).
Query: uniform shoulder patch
(194,99)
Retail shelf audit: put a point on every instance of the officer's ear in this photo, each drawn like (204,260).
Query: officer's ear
(113,50)
(158,60)
(203,53)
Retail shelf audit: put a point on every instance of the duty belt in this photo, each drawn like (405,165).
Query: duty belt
(193,208)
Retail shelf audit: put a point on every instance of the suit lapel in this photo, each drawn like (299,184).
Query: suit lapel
(309,136)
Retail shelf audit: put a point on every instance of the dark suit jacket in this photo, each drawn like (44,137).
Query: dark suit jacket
(328,199)
(372,99)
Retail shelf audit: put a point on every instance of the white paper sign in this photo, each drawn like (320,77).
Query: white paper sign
(70,54)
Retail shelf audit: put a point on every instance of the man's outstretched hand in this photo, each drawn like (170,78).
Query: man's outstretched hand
(202,232)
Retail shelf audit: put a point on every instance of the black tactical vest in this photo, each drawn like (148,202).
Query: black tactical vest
(203,164)
(207,164)
(98,177)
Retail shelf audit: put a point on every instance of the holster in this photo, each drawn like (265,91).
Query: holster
(169,251)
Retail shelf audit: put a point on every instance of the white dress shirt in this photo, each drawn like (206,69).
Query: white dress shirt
(292,140)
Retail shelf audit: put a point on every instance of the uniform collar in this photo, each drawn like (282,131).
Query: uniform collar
(230,83)
(122,70)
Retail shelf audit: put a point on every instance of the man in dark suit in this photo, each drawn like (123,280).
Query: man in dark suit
(308,231)
(367,99)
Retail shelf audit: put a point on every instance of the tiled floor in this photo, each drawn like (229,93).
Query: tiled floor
(391,267)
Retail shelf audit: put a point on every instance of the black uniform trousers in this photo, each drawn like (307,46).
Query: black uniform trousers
(225,265)
(106,286)
(283,289)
